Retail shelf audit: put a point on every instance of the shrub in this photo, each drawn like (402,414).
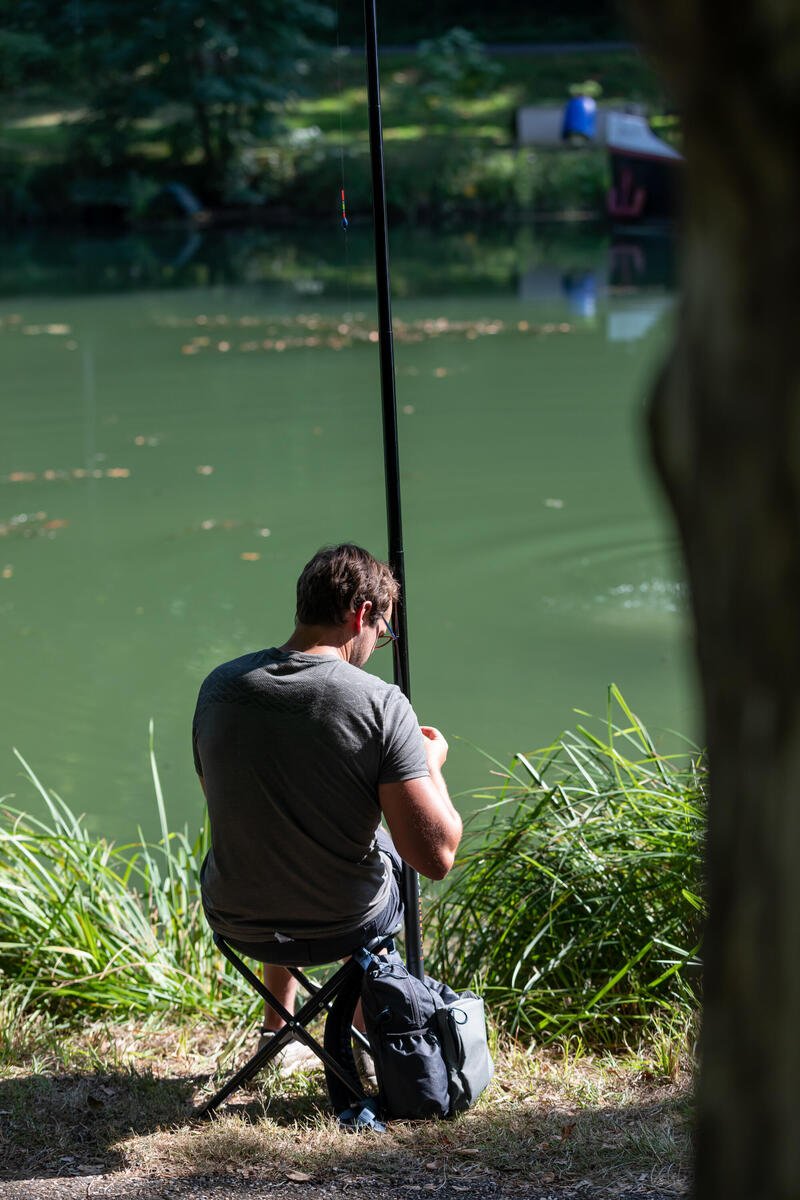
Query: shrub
(87,924)
(575,180)
(575,902)
(455,65)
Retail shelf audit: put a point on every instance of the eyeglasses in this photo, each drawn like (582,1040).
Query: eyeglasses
(387,636)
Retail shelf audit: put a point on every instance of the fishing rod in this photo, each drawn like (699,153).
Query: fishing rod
(391,456)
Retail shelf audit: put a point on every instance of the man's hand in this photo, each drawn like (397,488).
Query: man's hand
(435,747)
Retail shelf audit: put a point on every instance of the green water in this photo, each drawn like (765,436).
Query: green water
(158,503)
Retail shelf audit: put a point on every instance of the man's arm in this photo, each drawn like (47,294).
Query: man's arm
(425,827)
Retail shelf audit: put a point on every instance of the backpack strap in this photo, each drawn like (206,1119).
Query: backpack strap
(337,1041)
(339,1023)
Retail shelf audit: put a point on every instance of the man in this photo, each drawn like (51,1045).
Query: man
(300,752)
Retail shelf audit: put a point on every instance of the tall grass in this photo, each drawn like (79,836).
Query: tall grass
(576,898)
(575,902)
(85,923)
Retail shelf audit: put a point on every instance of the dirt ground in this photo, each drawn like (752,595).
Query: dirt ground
(107,1113)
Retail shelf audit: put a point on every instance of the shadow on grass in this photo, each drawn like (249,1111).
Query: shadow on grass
(84,1124)
(61,1124)
(542,1139)
(299,1100)
(70,1124)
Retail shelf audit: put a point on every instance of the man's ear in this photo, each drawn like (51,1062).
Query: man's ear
(361,614)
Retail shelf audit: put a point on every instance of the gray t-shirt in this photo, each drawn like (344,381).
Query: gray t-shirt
(292,748)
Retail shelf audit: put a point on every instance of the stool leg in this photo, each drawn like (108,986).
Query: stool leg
(246,1073)
(312,987)
(295,1026)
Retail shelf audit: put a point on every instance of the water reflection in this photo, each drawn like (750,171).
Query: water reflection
(579,262)
(632,282)
(629,319)
(627,277)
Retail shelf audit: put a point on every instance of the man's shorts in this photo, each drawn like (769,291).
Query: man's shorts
(299,953)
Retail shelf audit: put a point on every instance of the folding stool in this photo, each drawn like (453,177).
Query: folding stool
(336,1056)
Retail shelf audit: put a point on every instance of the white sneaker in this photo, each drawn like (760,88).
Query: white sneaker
(294,1056)
(365,1065)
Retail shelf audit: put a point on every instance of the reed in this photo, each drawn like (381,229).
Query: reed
(101,927)
(575,904)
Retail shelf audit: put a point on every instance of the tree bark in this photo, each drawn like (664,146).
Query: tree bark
(725,426)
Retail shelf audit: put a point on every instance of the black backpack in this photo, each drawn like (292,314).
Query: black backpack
(428,1041)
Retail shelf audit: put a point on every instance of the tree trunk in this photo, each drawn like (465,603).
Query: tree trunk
(725,424)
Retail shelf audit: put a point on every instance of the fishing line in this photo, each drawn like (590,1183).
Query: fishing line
(341,168)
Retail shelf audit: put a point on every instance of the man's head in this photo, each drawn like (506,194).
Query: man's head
(338,581)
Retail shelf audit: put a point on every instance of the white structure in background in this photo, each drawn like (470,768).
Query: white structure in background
(644,168)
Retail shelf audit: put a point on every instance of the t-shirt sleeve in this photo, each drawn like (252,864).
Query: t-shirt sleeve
(403,744)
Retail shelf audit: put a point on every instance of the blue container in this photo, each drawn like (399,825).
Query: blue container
(580,118)
(581,293)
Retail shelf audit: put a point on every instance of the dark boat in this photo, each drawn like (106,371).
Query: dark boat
(645,171)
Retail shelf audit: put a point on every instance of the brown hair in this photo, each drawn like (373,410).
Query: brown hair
(341,578)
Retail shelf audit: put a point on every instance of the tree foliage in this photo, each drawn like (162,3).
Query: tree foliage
(456,65)
(22,55)
(207,75)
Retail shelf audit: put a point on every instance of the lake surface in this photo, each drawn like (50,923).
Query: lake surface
(187,418)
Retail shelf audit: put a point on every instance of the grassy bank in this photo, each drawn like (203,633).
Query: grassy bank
(575,897)
(90,927)
(116,1015)
(449,154)
(577,893)
(105,1106)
